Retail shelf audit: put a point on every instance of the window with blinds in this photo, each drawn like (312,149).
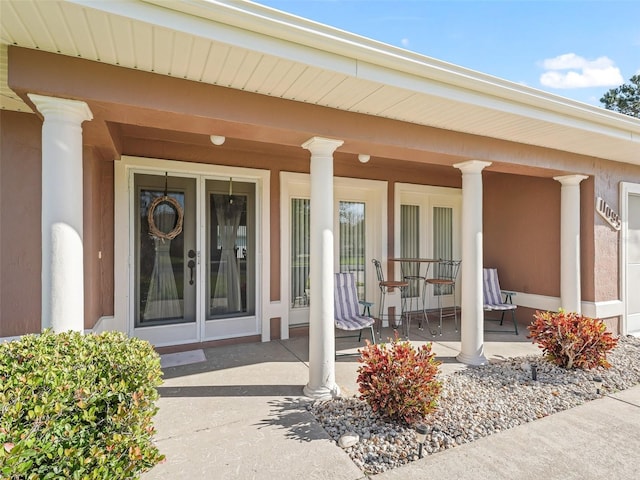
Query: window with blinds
(300,223)
(352,242)
(352,256)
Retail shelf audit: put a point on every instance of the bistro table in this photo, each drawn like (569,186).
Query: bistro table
(411,270)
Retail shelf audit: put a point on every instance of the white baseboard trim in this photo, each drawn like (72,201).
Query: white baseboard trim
(102,325)
(605,309)
(9,339)
(538,302)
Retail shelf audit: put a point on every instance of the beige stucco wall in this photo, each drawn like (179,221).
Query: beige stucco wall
(98,236)
(148,115)
(521,225)
(606,239)
(20,223)
(20,228)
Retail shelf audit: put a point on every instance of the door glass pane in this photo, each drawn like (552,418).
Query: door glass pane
(231,252)
(352,242)
(300,225)
(410,231)
(160,252)
(442,242)
(410,244)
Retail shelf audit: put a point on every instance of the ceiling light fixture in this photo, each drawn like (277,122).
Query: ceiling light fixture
(217,139)
(364,158)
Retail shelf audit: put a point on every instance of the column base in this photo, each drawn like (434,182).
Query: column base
(472,359)
(323,392)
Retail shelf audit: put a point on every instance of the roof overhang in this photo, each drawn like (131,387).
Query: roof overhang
(249,47)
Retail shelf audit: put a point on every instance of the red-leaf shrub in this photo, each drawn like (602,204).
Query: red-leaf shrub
(399,381)
(571,340)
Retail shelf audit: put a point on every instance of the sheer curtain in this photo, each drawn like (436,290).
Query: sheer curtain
(162,297)
(228,213)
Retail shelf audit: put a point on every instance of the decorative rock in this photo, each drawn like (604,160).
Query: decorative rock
(348,440)
(475,402)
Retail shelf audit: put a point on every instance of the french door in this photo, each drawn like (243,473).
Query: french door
(429,227)
(165,252)
(194,258)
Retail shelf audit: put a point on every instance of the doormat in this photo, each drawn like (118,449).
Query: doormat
(182,358)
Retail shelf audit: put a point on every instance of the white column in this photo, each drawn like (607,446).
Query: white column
(62,209)
(472,323)
(322,367)
(570,288)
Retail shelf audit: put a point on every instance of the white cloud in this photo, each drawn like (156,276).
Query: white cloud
(582,73)
(405,42)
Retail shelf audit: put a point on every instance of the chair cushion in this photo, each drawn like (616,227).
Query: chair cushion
(354,323)
(500,306)
(394,284)
(346,306)
(492,295)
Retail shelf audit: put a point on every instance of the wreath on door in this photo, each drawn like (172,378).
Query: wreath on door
(154,231)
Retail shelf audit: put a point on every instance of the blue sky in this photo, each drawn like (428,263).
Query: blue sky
(574,48)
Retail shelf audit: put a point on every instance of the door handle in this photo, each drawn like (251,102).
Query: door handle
(191,264)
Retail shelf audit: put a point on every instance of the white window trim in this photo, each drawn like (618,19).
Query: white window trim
(372,192)
(428,196)
(626,189)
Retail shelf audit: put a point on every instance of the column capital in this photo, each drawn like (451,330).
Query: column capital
(61,108)
(472,166)
(570,180)
(322,146)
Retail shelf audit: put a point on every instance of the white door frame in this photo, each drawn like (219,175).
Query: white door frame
(626,190)
(124,253)
(427,197)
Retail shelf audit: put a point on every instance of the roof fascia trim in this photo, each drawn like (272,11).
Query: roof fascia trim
(268,21)
(256,27)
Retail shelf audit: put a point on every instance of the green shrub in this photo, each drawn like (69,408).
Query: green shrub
(399,381)
(571,340)
(77,406)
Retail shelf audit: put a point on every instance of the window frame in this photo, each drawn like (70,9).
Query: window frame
(371,192)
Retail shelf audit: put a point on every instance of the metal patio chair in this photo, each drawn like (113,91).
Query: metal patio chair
(346,306)
(444,279)
(386,286)
(493,298)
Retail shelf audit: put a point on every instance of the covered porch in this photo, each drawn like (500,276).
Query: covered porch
(240,410)
(297,117)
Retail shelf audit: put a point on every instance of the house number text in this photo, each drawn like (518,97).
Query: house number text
(608,214)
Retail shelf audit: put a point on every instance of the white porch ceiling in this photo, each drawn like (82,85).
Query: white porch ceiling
(248,47)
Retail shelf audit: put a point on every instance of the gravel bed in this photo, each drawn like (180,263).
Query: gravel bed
(476,402)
